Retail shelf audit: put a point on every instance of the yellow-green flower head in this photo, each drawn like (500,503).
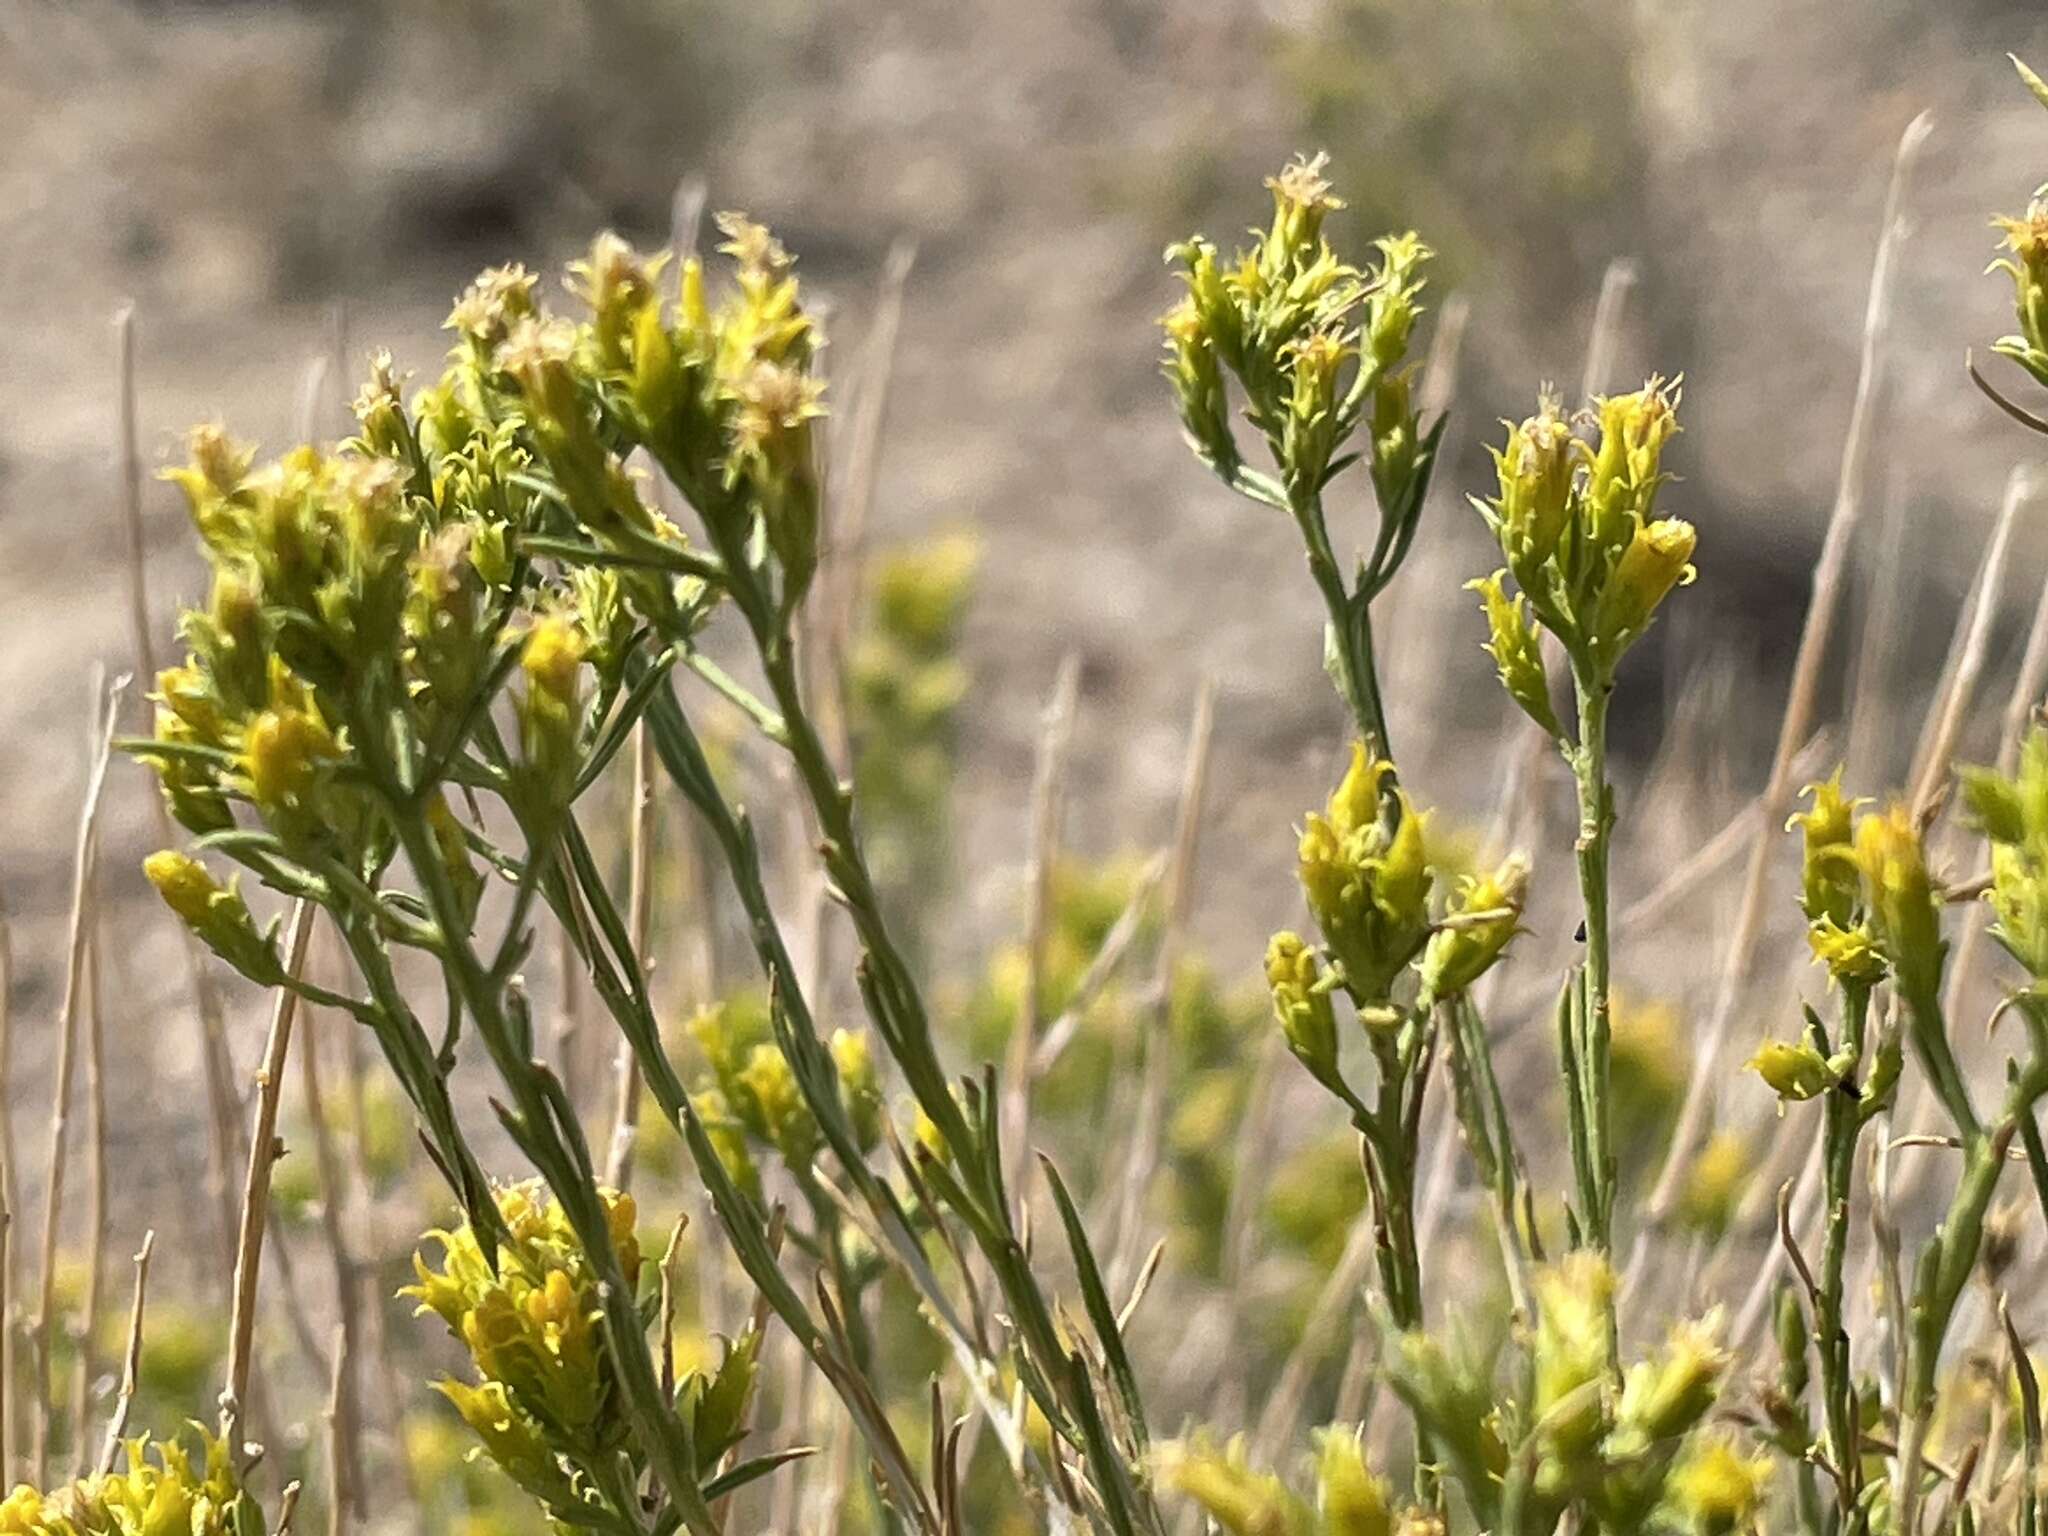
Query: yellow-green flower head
(1394,424)
(1240,1500)
(185,885)
(1715,1182)
(1666,1397)
(539,352)
(379,408)
(215,913)
(1517,650)
(512,1439)
(1302,199)
(728,1138)
(187,695)
(753,247)
(1194,368)
(1828,885)
(213,483)
(1482,918)
(773,1107)
(489,308)
(920,593)
(765,320)
(617,283)
(1716,1490)
(1390,307)
(1571,1345)
(2026,239)
(774,400)
(1850,954)
(219,464)
(2013,814)
(1301,1002)
(371,492)
(1536,470)
(1905,913)
(167,1497)
(1351,1499)
(1313,363)
(1795,1072)
(532,1326)
(1626,465)
(282,751)
(1657,559)
(552,657)
(1368,888)
(860,1087)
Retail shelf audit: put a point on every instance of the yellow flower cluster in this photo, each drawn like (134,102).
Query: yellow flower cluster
(1577,525)
(1315,344)
(1350,1498)
(1367,884)
(532,1326)
(167,1496)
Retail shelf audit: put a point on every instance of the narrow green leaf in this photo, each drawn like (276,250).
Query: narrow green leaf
(1101,1313)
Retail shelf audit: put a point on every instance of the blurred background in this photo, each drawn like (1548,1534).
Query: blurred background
(270,184)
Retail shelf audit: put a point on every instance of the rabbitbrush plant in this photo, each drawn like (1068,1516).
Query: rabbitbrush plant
(422,650)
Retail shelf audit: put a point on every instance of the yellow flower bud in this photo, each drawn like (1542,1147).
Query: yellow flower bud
(1369,890)
(1717,1489)
(1828,886)
(1351,1500)
(929,1138)
(1241,1501)
(1571,1349)
(1626,467)
(1314,364)
(553,655)
(380,410)
(1904,911)
(1657,559)
(1850,954)
(1482,918)
(860,1089)
(2013,814)
(1715,1183)
(1301,1002)
(1795,1072)
(619,285)
(1517,650)
(216,914)
(1665,1398)
(1194,369)
(773,1105)
(1390,307)
(184,884)
(1536,471)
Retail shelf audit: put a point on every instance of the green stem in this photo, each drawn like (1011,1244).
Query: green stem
(1842,1124)
(831,1239)
(1951,1255)
(1594,1112)
(1348,636)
